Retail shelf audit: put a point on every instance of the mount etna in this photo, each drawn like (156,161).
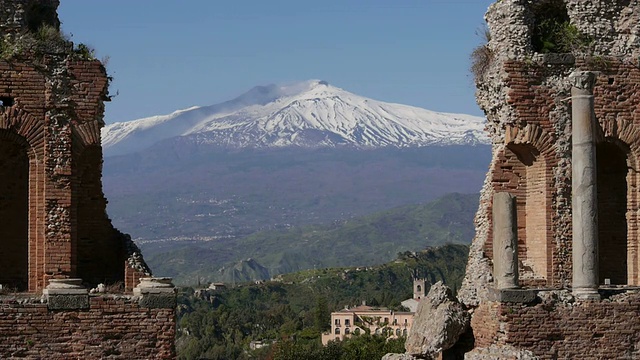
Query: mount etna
(200,185)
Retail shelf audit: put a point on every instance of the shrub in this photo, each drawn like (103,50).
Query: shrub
(553,31)
(482,56)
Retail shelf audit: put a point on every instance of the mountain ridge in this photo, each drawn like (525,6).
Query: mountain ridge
(307,114)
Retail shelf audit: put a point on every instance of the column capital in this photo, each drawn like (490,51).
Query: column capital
(584,80)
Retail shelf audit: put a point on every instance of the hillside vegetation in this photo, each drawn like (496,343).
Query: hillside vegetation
(363,241)
(194,192)
(291,313)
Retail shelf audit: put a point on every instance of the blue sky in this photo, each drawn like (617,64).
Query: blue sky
(167,55)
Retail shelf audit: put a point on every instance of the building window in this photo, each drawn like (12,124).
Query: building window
(398,332)
(404,332)
(347,322)
(346,331)
(337,322)
(377,331)
(386,320)
(395,321)
(337,332)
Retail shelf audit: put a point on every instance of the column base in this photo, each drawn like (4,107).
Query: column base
(523,296)
(66,294)
(588,294)
(156,293)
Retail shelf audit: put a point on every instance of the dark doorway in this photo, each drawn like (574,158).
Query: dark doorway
(612,210)
(14,243)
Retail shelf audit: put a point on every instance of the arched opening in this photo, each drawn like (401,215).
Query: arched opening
(530,174)
(612,211)
(14,215)
(95,253)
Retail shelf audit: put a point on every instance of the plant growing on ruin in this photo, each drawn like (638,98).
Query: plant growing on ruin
(48,34)
(553,31)
(47,39)
(598,62)
(482,56)
(564,37)
(85,51)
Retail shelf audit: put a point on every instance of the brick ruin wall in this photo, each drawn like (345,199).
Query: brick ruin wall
(53,214)
(555,329)
(53,220)
(114,327)
(56,165)
(525,95)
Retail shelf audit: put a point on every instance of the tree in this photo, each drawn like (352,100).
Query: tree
(322,316)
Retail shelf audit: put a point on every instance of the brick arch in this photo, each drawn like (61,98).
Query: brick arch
(524,170)
(23,124)
(532,135)
(620,130)
(624,136)
(84,135)
(20,127)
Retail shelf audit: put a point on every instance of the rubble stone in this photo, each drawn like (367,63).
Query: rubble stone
(440,320)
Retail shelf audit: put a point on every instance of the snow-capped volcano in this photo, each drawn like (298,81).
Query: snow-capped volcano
(307,114)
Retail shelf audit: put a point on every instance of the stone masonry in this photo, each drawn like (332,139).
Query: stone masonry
(57,241)
(53,210)
(559,82)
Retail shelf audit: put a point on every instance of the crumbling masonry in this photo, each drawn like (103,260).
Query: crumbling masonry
(56,239)
(559,82)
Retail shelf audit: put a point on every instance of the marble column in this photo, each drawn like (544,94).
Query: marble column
(505,241)
(584,192)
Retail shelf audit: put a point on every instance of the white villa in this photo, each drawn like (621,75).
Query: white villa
(376,320)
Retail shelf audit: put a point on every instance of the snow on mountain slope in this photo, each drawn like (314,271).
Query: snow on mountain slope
(308,114)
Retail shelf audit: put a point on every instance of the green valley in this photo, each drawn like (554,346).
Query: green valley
(362,241)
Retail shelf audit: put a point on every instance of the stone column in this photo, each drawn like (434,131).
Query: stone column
(505,241)
(584,193)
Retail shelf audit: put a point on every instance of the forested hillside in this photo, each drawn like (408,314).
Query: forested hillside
(363,241)
(291,312)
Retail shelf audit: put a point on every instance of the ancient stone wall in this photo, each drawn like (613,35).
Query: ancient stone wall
(56,238)
(17,15)
(51,107)
(556,329)
(525,77)
(525,93)
(114,327)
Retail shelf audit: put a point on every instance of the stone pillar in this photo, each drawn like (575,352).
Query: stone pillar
(584,192)
(505,241)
